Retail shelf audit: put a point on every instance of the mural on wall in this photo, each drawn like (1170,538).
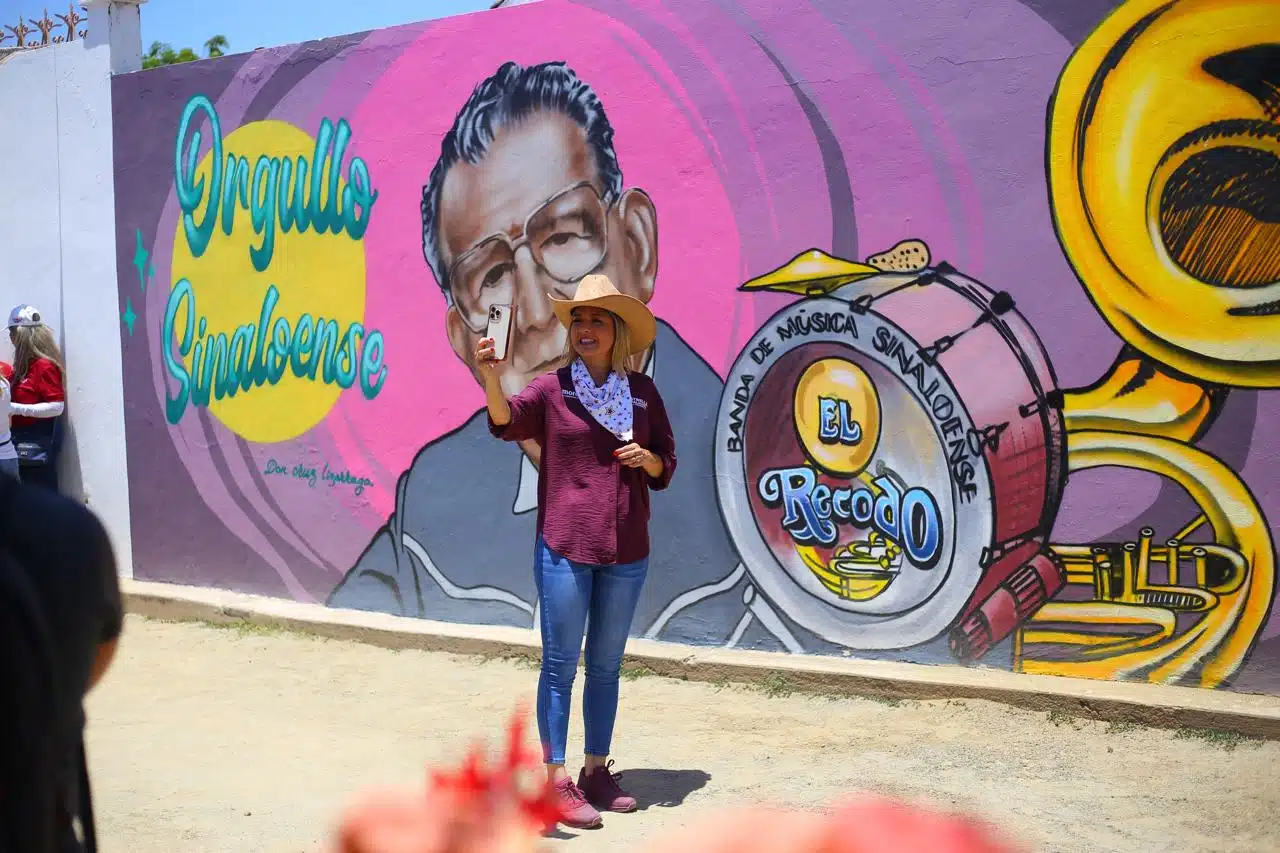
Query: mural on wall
(906,429)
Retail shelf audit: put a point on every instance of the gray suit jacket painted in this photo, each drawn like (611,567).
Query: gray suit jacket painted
(455,505)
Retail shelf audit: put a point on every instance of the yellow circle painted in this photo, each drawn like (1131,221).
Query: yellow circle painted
(837,415)
(1156,131)
(318,274)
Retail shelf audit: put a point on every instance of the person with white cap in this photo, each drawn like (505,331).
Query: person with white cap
(38,396)
(606,442)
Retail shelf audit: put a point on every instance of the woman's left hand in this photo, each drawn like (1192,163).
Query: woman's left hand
(632,455)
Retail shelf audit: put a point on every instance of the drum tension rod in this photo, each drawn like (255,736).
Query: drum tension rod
(986,437)
(861,304)
(929,354)
(1001,303)
(1054,399)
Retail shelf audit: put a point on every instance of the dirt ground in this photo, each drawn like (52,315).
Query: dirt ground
(207,739)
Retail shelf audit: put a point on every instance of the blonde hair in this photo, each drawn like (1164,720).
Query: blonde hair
(31,343)
(618,358)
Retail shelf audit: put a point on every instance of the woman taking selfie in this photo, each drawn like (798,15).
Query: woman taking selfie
(605,442)
(38,396)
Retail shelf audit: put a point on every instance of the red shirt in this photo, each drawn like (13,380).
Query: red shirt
(42,384)
(591,508)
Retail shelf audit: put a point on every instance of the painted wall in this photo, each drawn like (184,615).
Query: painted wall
(57,240)
(940,396)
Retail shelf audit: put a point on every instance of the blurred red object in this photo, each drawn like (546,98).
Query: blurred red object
(477,809)
(483,810)
(871,825)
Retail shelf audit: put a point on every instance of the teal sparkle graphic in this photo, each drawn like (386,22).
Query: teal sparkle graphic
(140,257)
(128,316)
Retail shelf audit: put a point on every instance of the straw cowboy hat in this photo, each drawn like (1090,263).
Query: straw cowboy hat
(598,292)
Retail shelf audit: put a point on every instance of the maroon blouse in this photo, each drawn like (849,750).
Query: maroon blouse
(591,508)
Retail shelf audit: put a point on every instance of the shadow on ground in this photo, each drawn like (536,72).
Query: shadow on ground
(663,788)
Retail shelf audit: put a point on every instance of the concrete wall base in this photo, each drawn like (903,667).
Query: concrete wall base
(1144,704)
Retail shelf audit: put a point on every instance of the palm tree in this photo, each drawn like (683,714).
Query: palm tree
(216,46)
(163,54)
(159,54)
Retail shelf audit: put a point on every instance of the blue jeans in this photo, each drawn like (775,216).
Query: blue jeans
(575,597)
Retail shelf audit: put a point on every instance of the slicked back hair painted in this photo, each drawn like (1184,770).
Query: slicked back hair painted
(513,93)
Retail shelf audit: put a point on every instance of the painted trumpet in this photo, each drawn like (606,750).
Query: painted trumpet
(1173,610)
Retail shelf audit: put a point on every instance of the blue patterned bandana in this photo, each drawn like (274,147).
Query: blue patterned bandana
(610,404)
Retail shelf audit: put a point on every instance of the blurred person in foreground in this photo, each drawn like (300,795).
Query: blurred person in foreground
(38,396)
(60,621)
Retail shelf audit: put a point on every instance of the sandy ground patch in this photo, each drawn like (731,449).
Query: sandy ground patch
(214,740)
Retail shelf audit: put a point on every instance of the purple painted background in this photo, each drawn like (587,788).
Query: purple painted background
(847,126)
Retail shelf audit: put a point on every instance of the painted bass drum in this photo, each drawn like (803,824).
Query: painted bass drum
(889,459)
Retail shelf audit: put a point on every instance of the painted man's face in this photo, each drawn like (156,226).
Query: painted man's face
(538,188)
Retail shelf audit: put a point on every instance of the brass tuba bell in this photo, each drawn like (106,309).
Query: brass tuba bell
(1164,177)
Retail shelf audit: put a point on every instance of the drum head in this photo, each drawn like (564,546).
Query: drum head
(847,478)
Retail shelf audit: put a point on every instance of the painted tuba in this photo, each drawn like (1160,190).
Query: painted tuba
(1164,175)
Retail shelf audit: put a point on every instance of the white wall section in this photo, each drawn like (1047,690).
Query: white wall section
(57,238)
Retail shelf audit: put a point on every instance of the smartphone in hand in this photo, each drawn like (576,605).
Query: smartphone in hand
(500,317)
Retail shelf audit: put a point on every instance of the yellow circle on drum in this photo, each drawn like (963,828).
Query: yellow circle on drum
(320,278)
(837,415)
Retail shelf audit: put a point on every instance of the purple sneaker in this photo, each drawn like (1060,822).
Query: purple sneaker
(602,791)
(575,811)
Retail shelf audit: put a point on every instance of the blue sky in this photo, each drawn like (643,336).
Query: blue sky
(248,24)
